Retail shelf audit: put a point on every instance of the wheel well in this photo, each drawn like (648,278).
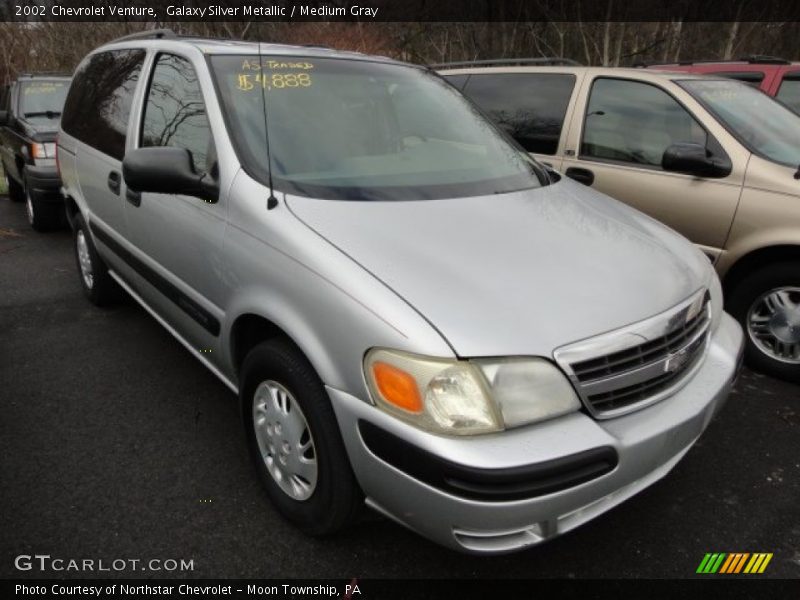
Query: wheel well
(758,259)
(71,208)
(247,332)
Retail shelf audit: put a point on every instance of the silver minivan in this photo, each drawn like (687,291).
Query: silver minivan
(414,313)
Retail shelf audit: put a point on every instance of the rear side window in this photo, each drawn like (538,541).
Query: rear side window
(175,114)
(99,101)
(789,92)
(529,106)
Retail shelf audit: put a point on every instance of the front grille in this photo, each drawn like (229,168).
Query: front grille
(614,374)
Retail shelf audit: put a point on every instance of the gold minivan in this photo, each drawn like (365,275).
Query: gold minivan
(713,158)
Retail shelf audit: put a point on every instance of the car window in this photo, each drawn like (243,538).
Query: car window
(363,130)
(175,114)
(457,81)
(764,126)
(529,106)
(789,92)
(754,78)
(634,122)
(4,98)
(99,100)
(42,100)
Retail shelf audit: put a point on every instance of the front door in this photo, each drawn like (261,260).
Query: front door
(178,239)
(627,125)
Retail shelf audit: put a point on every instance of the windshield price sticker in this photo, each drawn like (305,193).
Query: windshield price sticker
(256,74)
(273,81)
(42,88)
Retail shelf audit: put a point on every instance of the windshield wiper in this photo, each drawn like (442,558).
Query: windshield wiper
(50,114)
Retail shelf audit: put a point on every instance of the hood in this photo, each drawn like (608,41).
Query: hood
(520,273)
(40,131)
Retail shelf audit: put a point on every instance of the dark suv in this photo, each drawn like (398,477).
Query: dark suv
(30,111)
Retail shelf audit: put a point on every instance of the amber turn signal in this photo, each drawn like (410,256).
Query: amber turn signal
(397,387)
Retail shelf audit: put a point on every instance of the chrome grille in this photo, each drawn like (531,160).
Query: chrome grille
(638,365)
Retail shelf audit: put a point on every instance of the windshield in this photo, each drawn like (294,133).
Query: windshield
(765,126)
(358,130)
(40,99)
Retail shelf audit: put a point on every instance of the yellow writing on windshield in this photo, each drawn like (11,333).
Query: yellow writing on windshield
(42,88)
(272,81)
(256,65)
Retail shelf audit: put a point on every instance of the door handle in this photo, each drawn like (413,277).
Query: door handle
(114,182)
(584,176)
(134,198)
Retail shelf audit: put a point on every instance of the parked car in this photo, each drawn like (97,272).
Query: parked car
(775,76)
(711,157)
(30,109)
(412,311)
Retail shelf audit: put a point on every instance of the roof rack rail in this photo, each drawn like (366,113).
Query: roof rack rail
(755,59)
(148,34)
(764,59)
(511,62)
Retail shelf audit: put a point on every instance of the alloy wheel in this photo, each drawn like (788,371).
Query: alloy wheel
(773,323)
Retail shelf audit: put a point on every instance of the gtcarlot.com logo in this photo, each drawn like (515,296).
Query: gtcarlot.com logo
(45,562)
(731,563)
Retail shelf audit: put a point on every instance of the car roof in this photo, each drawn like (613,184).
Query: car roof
(628,72)
(235,47)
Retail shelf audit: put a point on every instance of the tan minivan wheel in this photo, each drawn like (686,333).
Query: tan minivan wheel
(767,305)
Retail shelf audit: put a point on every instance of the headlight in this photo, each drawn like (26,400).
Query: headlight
(715,291)
(459,397)
(47,150)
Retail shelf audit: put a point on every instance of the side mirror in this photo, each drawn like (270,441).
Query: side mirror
(165,170)
(694,159)
(3,117)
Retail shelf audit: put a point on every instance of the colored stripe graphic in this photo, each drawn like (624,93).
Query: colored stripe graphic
(734,562)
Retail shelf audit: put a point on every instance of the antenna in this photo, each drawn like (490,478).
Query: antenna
(272,201)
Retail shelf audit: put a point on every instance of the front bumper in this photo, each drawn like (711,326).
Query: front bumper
(647,443)
(44,182)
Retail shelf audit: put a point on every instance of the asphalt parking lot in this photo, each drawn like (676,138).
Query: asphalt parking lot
(116,443)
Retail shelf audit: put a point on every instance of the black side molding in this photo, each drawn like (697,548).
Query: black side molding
(488,485)
(208,321)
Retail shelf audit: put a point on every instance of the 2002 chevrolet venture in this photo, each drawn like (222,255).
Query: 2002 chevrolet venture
(414,313)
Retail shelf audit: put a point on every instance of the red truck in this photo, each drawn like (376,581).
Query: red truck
(775,76)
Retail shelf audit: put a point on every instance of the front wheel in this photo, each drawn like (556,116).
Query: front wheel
(295,441)
(767,304)
(99,287)
(42,216)
(15,191)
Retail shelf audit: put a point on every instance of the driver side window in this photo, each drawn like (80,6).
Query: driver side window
(175,114)
(634,122)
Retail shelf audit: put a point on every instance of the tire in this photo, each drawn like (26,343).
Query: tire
(314,486)
(15,191)
(99,287)
(767,305)
(42,216)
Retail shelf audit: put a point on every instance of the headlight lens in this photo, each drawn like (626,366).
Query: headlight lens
(47,150)
(458,397)
(715,291)
(529,390)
